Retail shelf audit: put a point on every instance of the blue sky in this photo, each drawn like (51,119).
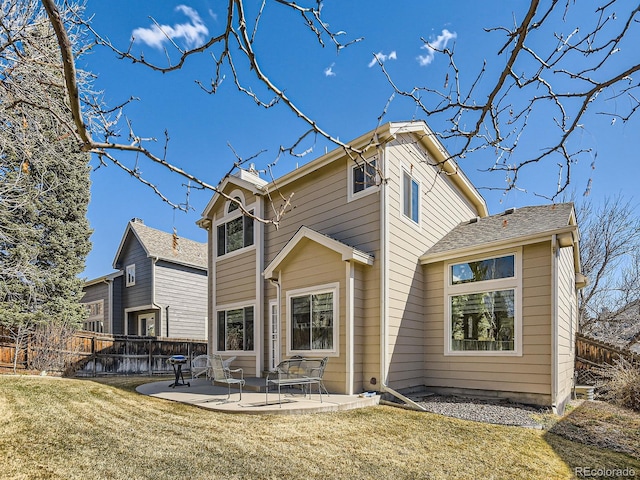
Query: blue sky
(345,92)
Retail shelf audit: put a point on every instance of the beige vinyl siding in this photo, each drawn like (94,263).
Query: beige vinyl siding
(309,266)
(320,202)
(441,208)
(236,278)
(184,290)
(526,377)
(567,323)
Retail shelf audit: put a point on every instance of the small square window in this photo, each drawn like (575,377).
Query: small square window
(131,275)
(364,176)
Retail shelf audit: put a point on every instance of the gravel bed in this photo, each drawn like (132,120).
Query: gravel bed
(487,411)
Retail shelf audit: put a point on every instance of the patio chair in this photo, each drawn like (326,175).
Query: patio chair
(201,365)
(220,374)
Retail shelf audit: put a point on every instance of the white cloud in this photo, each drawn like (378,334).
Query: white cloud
(328,72)
(382,57)
(193,32)
(431,47)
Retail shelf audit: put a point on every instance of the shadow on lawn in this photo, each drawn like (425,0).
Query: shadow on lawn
(614,431)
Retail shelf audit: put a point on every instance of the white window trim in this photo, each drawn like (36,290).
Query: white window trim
(130,275)
(228,217)
(514,283)
(236,306)
(351,166)
(408,220)
(317,289)
(234,194)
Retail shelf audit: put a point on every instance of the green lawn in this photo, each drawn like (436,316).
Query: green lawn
(54,428)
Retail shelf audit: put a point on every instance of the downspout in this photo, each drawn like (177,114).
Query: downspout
(384,270)
(153,294)
(384,288)
(555,249)
(167,309)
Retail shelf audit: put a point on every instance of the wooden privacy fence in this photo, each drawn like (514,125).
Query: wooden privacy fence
(591,354)
(92,354)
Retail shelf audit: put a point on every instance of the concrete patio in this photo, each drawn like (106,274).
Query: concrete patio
(202,393)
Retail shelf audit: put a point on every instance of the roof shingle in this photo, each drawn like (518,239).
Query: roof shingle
(509,225)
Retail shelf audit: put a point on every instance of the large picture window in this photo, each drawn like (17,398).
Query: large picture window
(235,329)
(313,321)
(235,234)
(483,306)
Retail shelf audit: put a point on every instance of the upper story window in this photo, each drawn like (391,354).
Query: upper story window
(484,307)
(410,197)
(236,232)
(363,177)
(130,273)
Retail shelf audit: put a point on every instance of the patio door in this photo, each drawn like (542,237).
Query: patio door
(274,335)
(147,325)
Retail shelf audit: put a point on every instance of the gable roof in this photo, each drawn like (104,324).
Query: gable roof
(375,138)
(348,253)
(514,226)
(159,244)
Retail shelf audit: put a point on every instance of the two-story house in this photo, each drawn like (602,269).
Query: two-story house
(159,288)
(394,270)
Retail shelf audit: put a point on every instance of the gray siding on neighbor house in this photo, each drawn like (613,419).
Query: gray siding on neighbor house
(117,307)
(140,294)
(184,290)
(97,292)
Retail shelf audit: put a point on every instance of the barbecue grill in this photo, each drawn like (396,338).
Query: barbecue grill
(176,361)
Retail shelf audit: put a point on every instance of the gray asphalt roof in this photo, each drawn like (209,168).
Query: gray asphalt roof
(509,225)
(160,244)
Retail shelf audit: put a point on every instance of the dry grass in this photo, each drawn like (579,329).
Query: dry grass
(54,428)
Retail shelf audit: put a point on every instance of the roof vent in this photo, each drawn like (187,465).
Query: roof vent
(509,211)
(137,220)
(474,220)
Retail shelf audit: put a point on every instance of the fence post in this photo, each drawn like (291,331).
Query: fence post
(93,354)
(150,358)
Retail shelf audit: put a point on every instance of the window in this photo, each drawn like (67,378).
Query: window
(312,321)
(235,234)
(94,322)
(131,275)
(235,329)
(483,306)
(410,197)
(364,176)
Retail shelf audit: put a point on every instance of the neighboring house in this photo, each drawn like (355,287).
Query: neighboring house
(160,288)
(394,270)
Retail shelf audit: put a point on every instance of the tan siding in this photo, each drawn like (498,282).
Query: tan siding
(312,265)
(567,323)
(441,208)
(528,375)
(320,202)
(236,278)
